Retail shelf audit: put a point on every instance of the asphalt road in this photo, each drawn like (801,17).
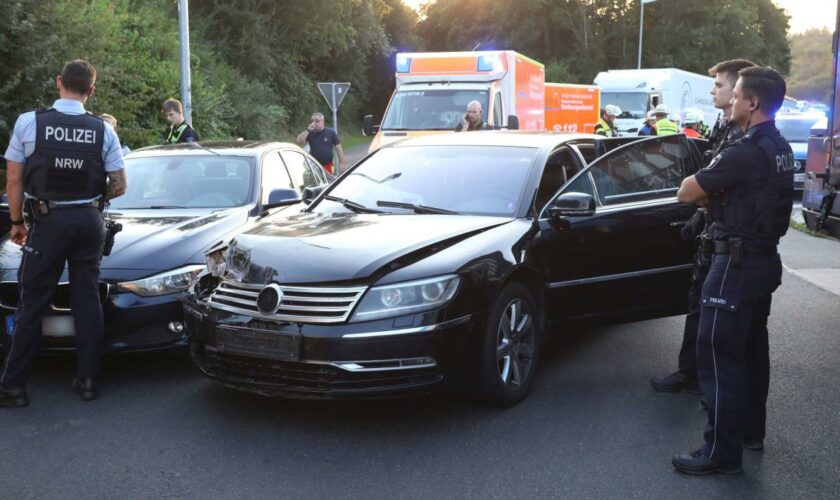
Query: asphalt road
(592,427)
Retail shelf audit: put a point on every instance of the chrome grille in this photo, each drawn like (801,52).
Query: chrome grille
(299,304)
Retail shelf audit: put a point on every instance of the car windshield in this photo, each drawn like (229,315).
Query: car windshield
(186,182)
(632,104)
(796,130)
(440,109)
(480,180)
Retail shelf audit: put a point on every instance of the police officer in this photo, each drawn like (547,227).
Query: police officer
(725,132)
(749,190)
(62,160)
(606,124)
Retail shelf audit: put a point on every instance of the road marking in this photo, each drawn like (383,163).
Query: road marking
(816,282)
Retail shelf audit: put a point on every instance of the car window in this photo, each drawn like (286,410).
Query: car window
(274,175)
(299,170)
(559,169)
(475,179)
(316,168)
(186,181)
(645,170)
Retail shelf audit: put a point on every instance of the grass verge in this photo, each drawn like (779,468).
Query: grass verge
(803,228)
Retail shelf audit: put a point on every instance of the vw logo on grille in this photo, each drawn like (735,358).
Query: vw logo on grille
(269,299)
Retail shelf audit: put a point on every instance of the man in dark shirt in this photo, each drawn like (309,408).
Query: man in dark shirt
(179,130)
(321,142)
(472,119)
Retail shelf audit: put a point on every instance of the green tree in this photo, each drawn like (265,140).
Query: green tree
(810,72)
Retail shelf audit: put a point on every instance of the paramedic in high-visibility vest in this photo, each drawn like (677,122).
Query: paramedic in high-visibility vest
(664,126)
(179,130)
(606,125)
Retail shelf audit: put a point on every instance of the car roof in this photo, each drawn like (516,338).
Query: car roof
(505,138)
(229,148)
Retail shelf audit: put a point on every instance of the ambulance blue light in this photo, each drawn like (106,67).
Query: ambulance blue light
(486,63)
(403,64)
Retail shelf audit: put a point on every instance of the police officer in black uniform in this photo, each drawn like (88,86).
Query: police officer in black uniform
(61,162)
(725,132)
(749,190)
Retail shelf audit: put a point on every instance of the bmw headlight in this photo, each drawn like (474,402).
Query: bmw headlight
(406,298)
(176,280)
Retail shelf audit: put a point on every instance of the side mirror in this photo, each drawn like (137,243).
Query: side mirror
(572,205)
(368,128)
(282,198)
(513,122)
(311,193)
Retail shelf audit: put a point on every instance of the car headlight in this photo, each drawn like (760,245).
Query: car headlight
(406,298)
(176,280)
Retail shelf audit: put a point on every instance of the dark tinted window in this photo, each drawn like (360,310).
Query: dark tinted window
(485,180)
(647,170)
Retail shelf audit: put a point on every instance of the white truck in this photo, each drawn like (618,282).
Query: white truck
(637,91)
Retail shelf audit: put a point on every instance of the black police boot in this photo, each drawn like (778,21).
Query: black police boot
(675,382)
(13,398)
(699,465)
(85,388)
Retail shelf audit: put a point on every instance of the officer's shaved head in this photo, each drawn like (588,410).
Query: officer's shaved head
(78,76)
(765,84)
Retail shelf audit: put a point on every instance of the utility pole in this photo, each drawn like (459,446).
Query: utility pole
(184,37)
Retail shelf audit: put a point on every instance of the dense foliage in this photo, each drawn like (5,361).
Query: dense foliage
(810,72)
(255,63)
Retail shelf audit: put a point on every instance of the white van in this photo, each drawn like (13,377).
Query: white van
(636,91)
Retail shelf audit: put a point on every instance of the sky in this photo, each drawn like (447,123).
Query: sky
(804,14)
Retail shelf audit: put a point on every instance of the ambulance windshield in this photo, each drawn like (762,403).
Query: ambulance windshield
(431,109)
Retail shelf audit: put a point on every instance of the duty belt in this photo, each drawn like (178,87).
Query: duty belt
(57,206)
(723,247)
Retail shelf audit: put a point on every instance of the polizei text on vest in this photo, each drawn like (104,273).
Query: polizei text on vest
(66,134)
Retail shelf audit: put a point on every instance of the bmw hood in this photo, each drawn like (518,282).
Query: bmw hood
(310,247)
(154,240)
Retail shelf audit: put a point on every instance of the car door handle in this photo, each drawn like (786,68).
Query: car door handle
(678,223)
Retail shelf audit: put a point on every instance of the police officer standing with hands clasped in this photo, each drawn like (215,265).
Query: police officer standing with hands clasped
(748,189)
(61,162)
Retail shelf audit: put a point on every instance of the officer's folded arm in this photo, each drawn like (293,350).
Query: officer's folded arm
(691,192)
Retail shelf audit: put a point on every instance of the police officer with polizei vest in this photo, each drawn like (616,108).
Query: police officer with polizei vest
(748,189)
(61,161)
(726,131)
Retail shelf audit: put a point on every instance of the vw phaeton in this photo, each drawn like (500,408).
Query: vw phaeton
(446,259)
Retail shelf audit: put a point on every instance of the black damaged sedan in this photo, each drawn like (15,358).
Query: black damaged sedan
(181,201)
(446,260)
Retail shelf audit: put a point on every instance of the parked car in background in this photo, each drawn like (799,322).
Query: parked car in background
(181,200)
(796,128)
(443,259)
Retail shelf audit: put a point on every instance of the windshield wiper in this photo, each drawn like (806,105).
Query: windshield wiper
(156,207)
(352,205)
(420,209)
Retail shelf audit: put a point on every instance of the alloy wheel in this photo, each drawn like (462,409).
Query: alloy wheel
(515,344)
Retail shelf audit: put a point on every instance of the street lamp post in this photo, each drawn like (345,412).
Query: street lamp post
(184,35)
(641,30)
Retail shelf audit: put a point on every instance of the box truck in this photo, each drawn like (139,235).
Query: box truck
(637,91)
(571,108)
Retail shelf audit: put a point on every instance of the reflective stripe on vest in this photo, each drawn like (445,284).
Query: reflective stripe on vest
(175,134)
(603,128)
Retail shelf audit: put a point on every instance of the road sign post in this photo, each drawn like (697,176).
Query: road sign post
(334,93)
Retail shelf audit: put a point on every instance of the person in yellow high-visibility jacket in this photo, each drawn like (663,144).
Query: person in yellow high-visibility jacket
(664,126)
(606,125)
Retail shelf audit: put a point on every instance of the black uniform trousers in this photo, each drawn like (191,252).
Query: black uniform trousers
(74,235)
(688,351)
(733,358)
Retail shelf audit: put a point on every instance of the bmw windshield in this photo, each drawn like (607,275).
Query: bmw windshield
(186,182)
(477,180)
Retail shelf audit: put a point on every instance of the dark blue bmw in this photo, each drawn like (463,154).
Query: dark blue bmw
(181,201)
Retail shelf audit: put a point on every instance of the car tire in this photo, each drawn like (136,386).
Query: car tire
(510,346)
